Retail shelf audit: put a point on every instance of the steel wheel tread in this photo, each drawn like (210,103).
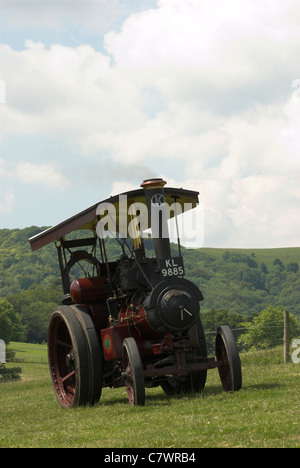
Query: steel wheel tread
(68,358)
(226,351)
(95,355)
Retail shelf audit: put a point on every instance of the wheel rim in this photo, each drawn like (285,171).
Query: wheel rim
(195,382)
(129,381)
(133,372)
(224,370)
(62,362)
(227,353)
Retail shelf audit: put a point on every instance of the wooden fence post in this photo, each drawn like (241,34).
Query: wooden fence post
(286,337)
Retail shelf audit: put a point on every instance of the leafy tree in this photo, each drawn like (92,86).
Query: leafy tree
(212,319)
(278,262)
(240,281)
(10,323)
(254,278)
(251,262)
(292,266)
(264,268)
(35,307)
(36,321)
(266,329)
(215,317)
(6,326)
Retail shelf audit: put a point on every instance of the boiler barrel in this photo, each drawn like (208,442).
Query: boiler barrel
(88,290)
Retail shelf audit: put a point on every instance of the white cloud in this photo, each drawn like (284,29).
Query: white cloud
(205,85)
(44,174)
(6,201)
(266,208)
(6,195)
(2,92)
(30,174)
(92,15)
(229,42)
(121,186)
(252,195)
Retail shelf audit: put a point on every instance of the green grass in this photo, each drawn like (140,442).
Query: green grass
(35,353)
(265,413)
(267,256)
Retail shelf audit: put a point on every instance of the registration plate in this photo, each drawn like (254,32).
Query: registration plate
(171,267)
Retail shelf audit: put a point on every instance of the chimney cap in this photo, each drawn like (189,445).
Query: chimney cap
(153,183)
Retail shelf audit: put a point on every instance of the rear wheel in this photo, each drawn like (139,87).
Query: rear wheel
(75,358)
(95,355)
(226,351)
(194,382)
(68,358)
(133,373)
(172,386)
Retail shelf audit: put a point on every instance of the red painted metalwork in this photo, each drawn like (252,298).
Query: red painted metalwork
(113,337)
(88,290)
(132,322)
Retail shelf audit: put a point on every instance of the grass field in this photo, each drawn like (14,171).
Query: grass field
(267,256)
(265,413)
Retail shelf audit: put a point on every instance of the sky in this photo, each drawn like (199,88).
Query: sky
(98,95)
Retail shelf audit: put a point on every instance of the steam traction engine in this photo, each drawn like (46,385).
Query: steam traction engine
(133,320)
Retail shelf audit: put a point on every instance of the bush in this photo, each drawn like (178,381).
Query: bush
(9,374)
(266,329)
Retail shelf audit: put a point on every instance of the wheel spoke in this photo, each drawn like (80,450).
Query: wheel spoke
(133,369)
(63,379)
(64,344)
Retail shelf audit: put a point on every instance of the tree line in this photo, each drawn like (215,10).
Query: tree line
(237,286)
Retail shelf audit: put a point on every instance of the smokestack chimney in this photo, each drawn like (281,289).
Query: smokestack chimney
(155,197)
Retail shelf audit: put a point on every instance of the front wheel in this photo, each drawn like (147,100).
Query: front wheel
(230,370)
(133,373)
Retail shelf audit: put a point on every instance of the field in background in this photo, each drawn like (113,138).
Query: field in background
(265,413)
(267,256)
(27,352)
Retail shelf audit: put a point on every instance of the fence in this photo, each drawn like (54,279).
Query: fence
(27,353)
(276,333)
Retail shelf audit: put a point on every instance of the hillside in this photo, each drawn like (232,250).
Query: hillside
(239,280)
(246,280)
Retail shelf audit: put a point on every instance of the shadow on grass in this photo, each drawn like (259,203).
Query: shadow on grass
(159,398)
(162,399)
